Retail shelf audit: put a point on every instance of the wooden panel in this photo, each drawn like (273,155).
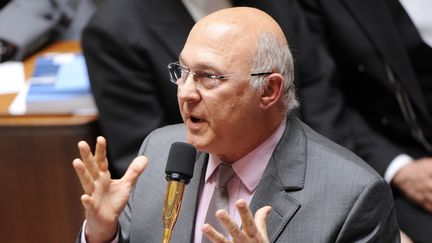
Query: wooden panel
(40,198)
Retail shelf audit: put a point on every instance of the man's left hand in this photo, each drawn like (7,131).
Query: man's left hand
(254,228)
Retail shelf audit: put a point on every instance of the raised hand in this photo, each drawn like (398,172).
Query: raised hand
(254,228)
(104,199)
(415,180)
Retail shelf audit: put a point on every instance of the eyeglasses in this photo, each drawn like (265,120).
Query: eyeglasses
(179,74)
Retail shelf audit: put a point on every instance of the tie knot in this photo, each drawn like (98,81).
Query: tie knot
(226,172)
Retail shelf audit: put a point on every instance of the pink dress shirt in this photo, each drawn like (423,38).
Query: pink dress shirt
(249,170)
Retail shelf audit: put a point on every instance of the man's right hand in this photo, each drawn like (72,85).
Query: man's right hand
(104,198)
(415,181)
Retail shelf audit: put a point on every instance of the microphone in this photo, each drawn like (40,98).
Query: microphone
(179,170)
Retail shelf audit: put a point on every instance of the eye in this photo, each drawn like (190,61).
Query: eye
(204,75)
(177,72)
(206,80)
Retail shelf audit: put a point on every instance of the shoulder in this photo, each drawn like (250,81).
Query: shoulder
(339,162)
(160,140)
(333,171)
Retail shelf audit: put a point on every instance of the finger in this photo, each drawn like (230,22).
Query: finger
(261,220)
(100,154)
(248,222)
(426,165)
(88,159)
(426,199)
(405,238)
(428,207)
(85,179)
(135,169)
(88,206)
(212,234)
(230,225)
(427,195)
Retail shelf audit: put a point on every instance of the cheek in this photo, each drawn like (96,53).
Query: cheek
(223,106)
(225,114)
(230,107)
(180,105)
(240,93)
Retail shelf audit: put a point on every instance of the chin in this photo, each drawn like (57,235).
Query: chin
(199,143)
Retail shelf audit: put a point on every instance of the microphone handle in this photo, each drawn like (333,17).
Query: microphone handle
(171,209)
(166,235)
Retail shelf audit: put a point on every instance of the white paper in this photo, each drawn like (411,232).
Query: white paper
(18,106)
(11,77)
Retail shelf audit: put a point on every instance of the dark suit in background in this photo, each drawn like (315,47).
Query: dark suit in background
(128,44)
(377,50)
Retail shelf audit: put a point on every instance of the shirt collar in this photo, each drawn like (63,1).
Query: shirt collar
(250,167)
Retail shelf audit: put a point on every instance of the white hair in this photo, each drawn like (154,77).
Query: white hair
(273,55)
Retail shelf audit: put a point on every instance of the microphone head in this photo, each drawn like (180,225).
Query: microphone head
(181,162)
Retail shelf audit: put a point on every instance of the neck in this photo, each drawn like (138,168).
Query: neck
(262,133)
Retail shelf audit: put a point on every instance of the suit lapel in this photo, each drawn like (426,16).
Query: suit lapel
(184,232)
(375,19)
(284,173)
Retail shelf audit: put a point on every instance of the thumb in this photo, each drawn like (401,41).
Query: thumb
(261,218)
(135,169)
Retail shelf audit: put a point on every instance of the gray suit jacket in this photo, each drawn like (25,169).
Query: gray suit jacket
(30,24)
(319,192)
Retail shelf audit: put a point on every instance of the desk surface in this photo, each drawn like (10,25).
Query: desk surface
(36,120)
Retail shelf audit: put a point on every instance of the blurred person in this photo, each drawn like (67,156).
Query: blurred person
(236,102)
(383,53)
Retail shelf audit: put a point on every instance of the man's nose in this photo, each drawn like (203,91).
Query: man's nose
(188,90)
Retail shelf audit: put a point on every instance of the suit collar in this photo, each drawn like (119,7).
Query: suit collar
(375,19)
(284,173)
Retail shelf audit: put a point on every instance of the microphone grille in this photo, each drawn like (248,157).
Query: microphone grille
(181,160)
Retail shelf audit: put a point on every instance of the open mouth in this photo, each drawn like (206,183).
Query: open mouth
(195,120)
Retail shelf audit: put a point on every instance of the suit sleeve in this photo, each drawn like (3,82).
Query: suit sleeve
(372,217)
(29,24)
(324,106)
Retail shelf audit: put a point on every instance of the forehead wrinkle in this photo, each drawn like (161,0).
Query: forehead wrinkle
(210,55)
(202,64)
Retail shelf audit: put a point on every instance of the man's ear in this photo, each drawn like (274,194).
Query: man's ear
(272,90)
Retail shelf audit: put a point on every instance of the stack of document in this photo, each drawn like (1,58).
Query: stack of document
(60,85)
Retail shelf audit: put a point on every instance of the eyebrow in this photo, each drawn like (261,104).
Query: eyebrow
(201,66)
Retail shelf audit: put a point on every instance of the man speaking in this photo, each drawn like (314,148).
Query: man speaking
(260,174)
